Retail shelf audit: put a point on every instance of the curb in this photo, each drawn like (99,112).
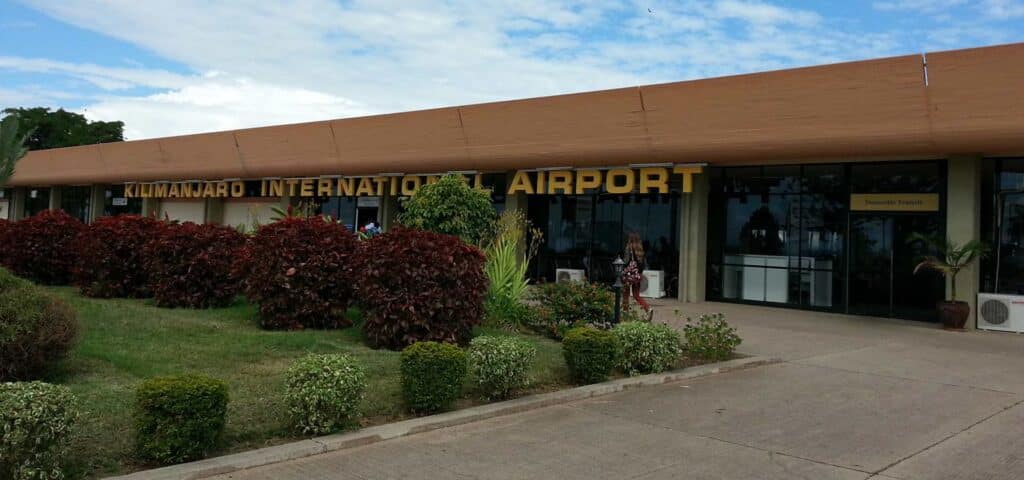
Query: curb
(331,443)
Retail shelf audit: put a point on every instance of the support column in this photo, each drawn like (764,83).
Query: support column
(55,198)
(963,223)
(388,211)
(97,201)
(214,211)
(151,207)
(18,203)
(693,222)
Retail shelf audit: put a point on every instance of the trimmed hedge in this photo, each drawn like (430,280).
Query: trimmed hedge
(432,375)
(112,258)
(500,365)
(179,418)
(324,392)
(566,305)
(190,265)
(590,354)
(36,329)
(43,248)
(36,420)
(420,286)
(647,347)
(300,272)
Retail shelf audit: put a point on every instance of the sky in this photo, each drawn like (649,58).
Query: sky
(187,66)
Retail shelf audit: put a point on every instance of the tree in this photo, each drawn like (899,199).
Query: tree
(54,129)
(452,207)
(12,147)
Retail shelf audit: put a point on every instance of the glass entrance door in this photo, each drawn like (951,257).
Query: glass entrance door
(882,258)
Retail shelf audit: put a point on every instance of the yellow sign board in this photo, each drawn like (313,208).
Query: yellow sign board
(545,182)
(894,202)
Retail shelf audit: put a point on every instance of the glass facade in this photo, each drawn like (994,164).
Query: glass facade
(1003,226)
(76,201)
(786,235)
(36,200)
(587,232)
(115,203)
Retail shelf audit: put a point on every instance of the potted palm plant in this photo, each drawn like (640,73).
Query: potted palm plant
(949,260)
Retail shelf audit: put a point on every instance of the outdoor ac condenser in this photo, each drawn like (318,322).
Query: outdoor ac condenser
(1004,313)
(652,285)
(568,275)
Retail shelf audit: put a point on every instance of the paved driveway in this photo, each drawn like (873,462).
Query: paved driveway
(855,398)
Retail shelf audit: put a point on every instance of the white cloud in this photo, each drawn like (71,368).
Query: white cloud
(314,59)
(1004,9)
(219,103)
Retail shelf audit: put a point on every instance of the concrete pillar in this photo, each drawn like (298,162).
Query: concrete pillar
(214,211)
(55,198)
(151,207)
(18,203)
(963,223)
(693,251)
(388,211)
(97,200)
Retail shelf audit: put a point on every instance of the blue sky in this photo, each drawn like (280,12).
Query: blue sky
(185,66)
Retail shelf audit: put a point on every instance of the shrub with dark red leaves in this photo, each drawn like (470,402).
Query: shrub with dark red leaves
(300,273)
(42,248)
(420,286)
(190,265)
(5,228)
(112,256)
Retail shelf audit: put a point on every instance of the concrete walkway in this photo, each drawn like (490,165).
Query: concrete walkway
(856,398)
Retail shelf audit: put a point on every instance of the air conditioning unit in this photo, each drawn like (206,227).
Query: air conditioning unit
(652,284)
(569,275)
(1004,313)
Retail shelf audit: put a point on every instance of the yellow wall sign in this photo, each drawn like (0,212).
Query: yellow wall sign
(894,202)
(544,182)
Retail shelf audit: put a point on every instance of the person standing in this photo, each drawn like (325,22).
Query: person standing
(632,273)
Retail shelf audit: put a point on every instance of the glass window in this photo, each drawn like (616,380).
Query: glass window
(903,177)
(115,203)
(782,241)
(75,201)
(588,232)
(36,200)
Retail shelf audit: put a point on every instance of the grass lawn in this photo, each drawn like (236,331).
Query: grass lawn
(126,341)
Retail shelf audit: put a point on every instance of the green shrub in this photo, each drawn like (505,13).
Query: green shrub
(36,330)
(8,280)
(324,392)
(500,365)
(179,418)
(590,354)
(432,375)
(566,305)
(35,428)
(711,337)
(452,207)
(507,313)
(647,347)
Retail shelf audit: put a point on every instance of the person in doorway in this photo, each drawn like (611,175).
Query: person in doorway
(632,273)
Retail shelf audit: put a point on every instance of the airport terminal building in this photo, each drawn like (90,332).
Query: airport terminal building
(797,188)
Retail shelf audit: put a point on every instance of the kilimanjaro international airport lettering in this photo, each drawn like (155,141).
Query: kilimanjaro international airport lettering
(547,182)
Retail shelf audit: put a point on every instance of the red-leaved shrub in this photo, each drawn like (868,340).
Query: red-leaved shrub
(42,248)
(300,273)
(190,265)
(418,286)
(5,228)
(112,257)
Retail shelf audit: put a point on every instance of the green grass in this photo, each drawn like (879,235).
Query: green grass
(126,341)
